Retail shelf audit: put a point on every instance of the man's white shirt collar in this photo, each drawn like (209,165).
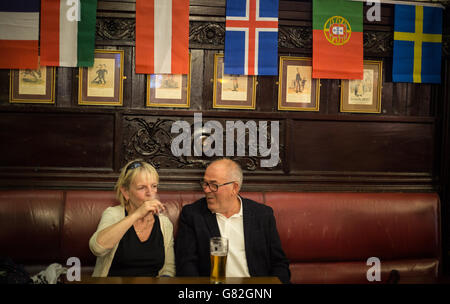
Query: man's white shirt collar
(239,214)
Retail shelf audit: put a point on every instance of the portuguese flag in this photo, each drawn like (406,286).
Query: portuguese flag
(337,39)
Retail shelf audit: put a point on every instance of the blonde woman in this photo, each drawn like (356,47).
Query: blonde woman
(133,238)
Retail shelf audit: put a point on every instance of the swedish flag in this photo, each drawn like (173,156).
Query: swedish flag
(417,44)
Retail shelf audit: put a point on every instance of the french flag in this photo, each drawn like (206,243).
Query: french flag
(251,37)
(162,36)
(19,34)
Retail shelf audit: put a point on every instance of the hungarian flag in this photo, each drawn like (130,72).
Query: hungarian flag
(19,34)
(162,36)
(68,32)
(337,39)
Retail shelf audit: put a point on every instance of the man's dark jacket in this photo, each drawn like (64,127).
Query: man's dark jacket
(198,224)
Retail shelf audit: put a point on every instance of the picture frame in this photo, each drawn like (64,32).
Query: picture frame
(363,96)
(32,86)
(102,84)
(232,91)
(297,90)
(169,90)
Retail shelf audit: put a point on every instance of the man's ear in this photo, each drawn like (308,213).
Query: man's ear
(235,188)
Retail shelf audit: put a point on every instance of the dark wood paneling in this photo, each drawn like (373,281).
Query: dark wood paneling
(362,146)
(267,94)
(444,163)
(35,140)
(64,86)
(127,72)
(208,78)
(330,96)
(197,80)
(422,96)
(4,87)
(138,94)
(127,6)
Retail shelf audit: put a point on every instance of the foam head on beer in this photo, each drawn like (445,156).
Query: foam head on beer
(219,252)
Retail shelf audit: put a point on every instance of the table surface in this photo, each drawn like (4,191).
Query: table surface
(176,280)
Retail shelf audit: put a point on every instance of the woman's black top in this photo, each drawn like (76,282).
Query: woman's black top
(136,258)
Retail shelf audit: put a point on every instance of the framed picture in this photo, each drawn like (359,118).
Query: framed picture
(232,91)
(297,90)
(169,90)
(102,84)
(363,96)
(32,86)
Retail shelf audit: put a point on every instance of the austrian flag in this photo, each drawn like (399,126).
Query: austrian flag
(162,36)
(251,37)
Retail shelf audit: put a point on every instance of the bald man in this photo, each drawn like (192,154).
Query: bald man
(254,244)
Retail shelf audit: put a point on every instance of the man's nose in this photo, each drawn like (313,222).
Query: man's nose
(206,189)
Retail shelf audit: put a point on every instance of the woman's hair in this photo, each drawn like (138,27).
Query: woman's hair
(128,174)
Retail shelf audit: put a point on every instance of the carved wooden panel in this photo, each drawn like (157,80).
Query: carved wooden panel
(207,34)
(150,138)
(211,35)
(115,29)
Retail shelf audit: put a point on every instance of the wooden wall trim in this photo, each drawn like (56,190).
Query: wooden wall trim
(183,180)
(232,114)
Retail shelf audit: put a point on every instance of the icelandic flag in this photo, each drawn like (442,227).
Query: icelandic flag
(19,34)
(417,44)
(251,37)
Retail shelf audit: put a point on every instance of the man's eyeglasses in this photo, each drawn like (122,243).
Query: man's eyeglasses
(213,187)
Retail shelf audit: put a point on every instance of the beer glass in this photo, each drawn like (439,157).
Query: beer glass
(219,250)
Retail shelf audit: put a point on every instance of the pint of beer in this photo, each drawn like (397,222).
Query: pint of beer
(219,252)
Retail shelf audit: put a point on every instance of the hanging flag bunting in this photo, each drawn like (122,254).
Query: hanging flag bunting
(337,39)
(162,36)
(417,44)
(68,32)
(251,37)
(19,34)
